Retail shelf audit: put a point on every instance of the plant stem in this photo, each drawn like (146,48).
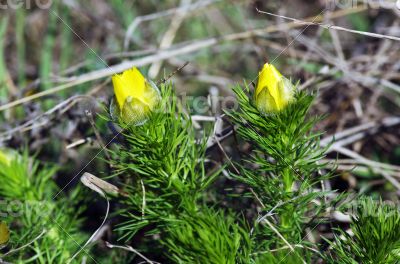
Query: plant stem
(287,180)
(288,184)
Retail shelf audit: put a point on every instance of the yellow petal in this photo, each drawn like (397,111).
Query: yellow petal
(273,92)
(130,83)
(4,233)
(6,156)
(269,76)
(3,158)
(136,97)
(265,102)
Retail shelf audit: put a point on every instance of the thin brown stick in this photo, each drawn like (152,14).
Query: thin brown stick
(131,249)
(89,114)
(328,26)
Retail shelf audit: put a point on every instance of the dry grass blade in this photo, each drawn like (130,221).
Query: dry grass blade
(327,26)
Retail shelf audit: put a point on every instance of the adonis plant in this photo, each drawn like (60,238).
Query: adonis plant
(162,161)
(282,171)
(176,203)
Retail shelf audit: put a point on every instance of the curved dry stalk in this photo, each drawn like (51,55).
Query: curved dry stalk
(106,187)
(131,249)
(12,251)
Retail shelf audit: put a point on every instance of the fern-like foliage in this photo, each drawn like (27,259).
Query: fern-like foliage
(207,237)
(283,172)
(50,227)
(376,235)
(162,163)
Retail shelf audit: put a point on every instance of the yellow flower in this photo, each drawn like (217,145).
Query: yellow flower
(6,156)
(273,92)
(4,234)
(136,97)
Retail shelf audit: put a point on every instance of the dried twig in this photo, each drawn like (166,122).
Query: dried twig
(327,26)
(353,134)
(185,8)
(131,249)
(169,36)
(79,142)
(370,163)
(12,251)
(101,187)
(282,248)
(44,118)
(97,133)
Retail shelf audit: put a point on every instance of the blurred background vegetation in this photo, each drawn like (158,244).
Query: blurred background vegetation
(356,77)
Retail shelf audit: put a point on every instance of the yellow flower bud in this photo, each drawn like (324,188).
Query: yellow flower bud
(136,97)
(6,156)
(273,92)
(4,234)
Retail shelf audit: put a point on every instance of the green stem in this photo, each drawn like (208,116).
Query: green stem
(288,180)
